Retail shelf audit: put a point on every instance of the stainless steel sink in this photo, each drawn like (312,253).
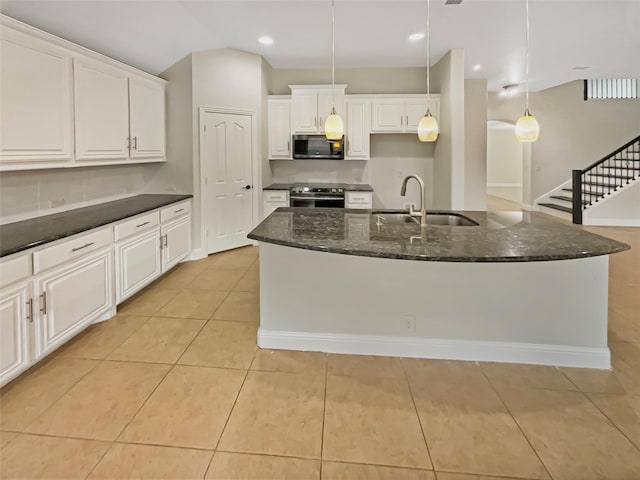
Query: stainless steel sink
(401,217)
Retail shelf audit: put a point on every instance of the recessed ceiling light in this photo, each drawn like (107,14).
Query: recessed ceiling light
(477,67)
(414,37)
(580,68)
(266,40)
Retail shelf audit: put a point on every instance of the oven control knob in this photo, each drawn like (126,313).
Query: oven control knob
(333,190)
(305,189)
(340,190)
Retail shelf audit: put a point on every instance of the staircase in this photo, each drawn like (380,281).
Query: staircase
(594,183)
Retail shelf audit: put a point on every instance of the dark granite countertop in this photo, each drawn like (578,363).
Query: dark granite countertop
(19,236)
(498,237)
(349,187)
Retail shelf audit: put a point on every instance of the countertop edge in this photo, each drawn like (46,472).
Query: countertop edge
(87,227)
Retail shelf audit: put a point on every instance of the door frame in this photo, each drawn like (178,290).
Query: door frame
(199,184)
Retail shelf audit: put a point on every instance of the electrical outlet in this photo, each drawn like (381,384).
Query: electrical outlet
(409,323)
(56,203)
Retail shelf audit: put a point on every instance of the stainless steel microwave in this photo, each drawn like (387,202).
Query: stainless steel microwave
(317,147)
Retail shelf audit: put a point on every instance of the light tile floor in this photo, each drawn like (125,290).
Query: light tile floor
(175,387)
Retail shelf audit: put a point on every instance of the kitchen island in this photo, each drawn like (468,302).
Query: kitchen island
(508,286)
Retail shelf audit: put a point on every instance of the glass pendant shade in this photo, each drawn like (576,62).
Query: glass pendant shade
(428,130)
(527,128)
(333,126)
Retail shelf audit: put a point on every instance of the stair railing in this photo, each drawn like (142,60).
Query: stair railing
(593,183)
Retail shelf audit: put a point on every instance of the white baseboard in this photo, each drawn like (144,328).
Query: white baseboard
(196,254)
(530,208)
(481,351)
(499,185)
(612,222)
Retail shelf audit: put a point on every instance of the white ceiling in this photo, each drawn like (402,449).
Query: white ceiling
(154,34)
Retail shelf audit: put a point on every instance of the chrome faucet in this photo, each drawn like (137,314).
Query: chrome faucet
(414,213)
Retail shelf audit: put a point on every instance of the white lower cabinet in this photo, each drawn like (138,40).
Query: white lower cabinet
(176,241)
(15,316)
(358,200)
(274,199)
(137,263)
(71,297)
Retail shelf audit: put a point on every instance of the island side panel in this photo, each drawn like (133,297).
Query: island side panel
(552,312)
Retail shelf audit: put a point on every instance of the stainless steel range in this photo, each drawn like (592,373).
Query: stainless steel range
(317,197)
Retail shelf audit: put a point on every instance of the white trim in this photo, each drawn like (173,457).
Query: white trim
(555,190)
(612,222)
(482,351)
(518,185)
(255,166)
(196,254)
(530,208)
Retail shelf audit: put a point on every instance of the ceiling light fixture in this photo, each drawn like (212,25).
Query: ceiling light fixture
(333,126)
(414,37)
(527,127)
(428,127)
(477,67)
(265,40)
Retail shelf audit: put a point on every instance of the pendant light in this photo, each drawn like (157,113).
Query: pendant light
(527,127)
(428,127)
(333,126)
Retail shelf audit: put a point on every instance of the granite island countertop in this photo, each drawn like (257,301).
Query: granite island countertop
(348,187)
(498,237)
(18,236)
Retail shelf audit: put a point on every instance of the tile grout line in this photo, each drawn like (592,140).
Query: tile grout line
(415,408)
(324,410)
(614,424)
(495,390)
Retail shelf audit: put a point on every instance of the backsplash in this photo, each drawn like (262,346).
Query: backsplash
(319,171)
(34,193)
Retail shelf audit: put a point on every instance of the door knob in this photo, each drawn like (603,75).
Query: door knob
(247,187)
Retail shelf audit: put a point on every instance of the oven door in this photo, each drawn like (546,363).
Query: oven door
(317,202)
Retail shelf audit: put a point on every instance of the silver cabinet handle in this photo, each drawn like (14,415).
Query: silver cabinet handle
(288,147)
(83,246)
(166,241)
(135,142)
(161,242)
(315,122)
(143,224)
(179,210)
(407,124)
(43,303)
(30,310)
(401,120)
(128,143)
(320,121)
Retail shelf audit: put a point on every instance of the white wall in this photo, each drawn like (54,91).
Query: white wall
(319,171)
(621,208)
(475,144)
(573,133)
(504,158)
(31,193)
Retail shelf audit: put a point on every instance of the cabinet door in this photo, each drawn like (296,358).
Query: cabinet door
(304,111)
(102,111)
(147,119)
(415,110)
(14,332)
(326,101)
(36,102)
(177,242)
(358,129)
(137,263)
(387,115)
(359,200)
(280,129)
(72,296)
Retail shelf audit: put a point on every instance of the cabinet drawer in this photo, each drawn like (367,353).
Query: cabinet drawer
(137,224)
(279,197)
(15,269)
(70,249)
(175,210)
(359,199)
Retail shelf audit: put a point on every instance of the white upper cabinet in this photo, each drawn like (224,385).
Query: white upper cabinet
(35,102)
(358,129)
(401,113)
(312,104)
(101,111)
(279,128)
(147,118)
(63,106)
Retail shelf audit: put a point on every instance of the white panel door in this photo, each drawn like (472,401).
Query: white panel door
(415,110)
(137,263)
(146,112)
(176,242)
(36,101)
(358,129)
(71,297)
(387,115)
(280,129)
(304,111)
(227,165)
(14,332)
(102,111)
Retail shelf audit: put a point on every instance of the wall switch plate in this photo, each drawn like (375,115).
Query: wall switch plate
(409,322)
(56,203)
